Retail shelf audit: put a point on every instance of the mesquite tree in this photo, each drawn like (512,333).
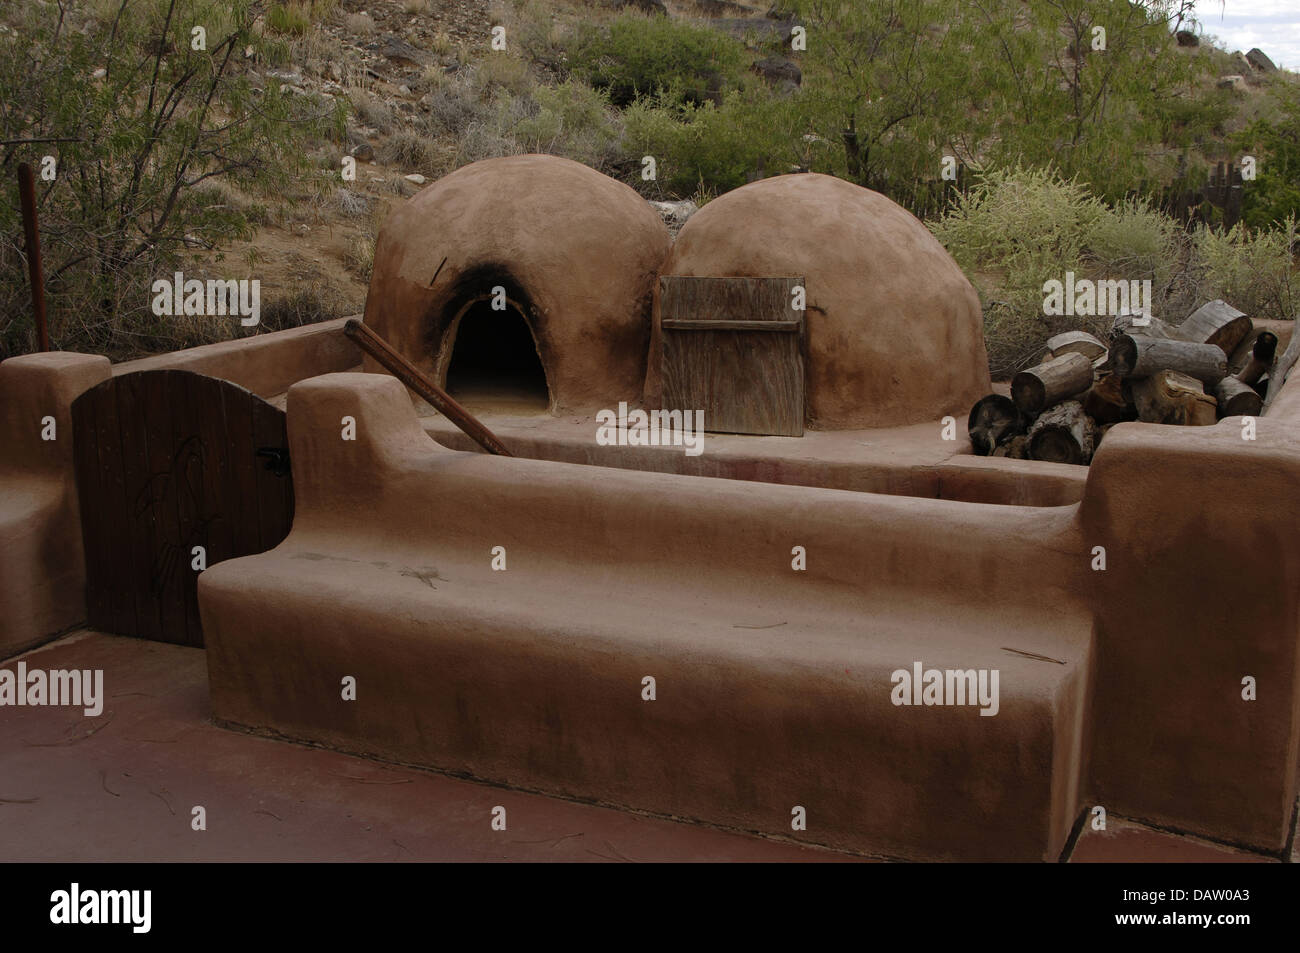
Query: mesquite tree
(131,110)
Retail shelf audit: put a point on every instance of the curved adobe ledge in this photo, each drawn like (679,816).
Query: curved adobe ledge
(1120,687)
(774,686)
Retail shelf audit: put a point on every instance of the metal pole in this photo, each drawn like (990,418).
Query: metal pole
(410,375)
(27,196)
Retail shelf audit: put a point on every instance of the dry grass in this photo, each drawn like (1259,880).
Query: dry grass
(359,24)
(359,258)
(373,111)
(410,152)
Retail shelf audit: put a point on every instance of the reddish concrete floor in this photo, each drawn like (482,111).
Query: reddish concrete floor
(1124,840)
(122,786)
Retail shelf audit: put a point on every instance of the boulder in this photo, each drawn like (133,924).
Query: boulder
(1257,59)
(1187,38)
(760,29)
(675,214)
(401,52)
(778,72)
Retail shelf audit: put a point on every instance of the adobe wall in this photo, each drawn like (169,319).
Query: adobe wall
(265,364)
(774,683)
(42,568)
(1201,590)
(1122,687)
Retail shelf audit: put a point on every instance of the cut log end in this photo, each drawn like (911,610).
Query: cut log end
(993,420)
(1265,347)
(1063,434)
(1237,399)
(1218,323)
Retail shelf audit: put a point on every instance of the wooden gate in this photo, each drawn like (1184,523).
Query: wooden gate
(167,461)
(733,347)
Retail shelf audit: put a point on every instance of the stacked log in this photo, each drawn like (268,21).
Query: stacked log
(1171,397)
(1046,385)
(1215,364)
(993,421)
(1138,357)
(1062,434)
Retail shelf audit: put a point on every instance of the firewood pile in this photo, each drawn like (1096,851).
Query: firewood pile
(1215,364)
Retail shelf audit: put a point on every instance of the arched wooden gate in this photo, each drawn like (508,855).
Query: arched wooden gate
(168,461)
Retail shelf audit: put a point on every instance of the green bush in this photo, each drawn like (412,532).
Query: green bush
(714,148)
(636,56)
(143,144)
(1017,229)
(409,151)
(574,121)
(1274,196)
(290,18)
(1134,241)
(1024,223)
(1251,268)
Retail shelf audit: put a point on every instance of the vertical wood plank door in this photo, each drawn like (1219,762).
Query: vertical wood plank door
(733,348)
(167,461)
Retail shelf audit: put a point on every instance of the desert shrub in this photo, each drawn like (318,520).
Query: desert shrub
(351,203)
(291,18)
(373,111)
(311,303)
(219,195)
(359,256)
(457,101)
(1274,196)
(1251,268)
(503,71)
(145,134)
(713,147)
(495,134)
(572,120)
(1134,241)
(543,39)
(1019,221)
(634,55)
(1018,228)
(359,24)
(409,151)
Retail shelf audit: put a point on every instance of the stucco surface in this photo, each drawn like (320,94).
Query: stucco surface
(1121,686)
(265,364)
(774,686)
(1201,591)
(42,569)
(575,250)
(894,329)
